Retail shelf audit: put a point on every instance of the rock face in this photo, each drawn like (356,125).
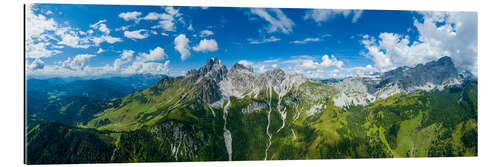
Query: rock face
(423,77)
(241,81)
(213,70)
(434,72)
(218,84)
(208,77)
(237,81)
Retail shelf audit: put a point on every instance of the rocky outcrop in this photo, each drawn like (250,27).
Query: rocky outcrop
(434,72)
(207,79)
(212,70)
(423,77)
(241,81)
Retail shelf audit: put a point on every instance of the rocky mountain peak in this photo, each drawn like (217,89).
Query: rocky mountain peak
(212,70)
(434,72)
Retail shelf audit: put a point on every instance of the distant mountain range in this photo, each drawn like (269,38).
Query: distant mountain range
(76,100)
(215,113)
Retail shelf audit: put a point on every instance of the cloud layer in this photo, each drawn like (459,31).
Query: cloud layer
(439,34)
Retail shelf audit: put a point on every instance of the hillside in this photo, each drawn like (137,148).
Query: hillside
(214,113)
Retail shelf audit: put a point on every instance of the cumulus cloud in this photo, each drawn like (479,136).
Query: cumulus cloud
(276,19)
(206,33)
(326,66)
(265,40)
(38,23)
(40,50)
(146,62)
(37,64)
(245,63)
(130,16)
(166,20)
(139,67)
(155,54)
(71,39)
(100,50)
(77,62)
(307,62)
(331,61)
(105,38)
(205,45)
(182,46)
(44,36)
(440,34)
(124,58)
(101,26)
(157,16)
(323,15)
(138,34)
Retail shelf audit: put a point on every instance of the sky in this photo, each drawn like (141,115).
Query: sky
(103,40)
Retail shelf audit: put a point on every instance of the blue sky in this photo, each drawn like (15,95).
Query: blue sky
(96,40)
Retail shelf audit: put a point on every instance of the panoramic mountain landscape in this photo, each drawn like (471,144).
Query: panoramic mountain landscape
(215,114)
(128,83)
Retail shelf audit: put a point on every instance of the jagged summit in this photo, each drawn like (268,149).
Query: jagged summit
(434,72)
(423,77)
(212,70)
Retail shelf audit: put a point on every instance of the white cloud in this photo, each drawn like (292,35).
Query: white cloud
(145,62)
(328,62)
(440,34)
(156,54)
(77,62)
(206,33)
(125,57)
(245,63)
(39,50)
(138,34)
(171,11)
(323,15)
(48,12)
(105,38)
(71,39)
(205,45)
(307,40)
(167,25)
(157,16)
(122,28)
(38,24)
(306,62)
(100,50)
(101,26)
(278,22)
(37,64)
(265,40)
(166,20)
(45,36)
(182,46)
(139,67)
(128,16)
(311,66)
